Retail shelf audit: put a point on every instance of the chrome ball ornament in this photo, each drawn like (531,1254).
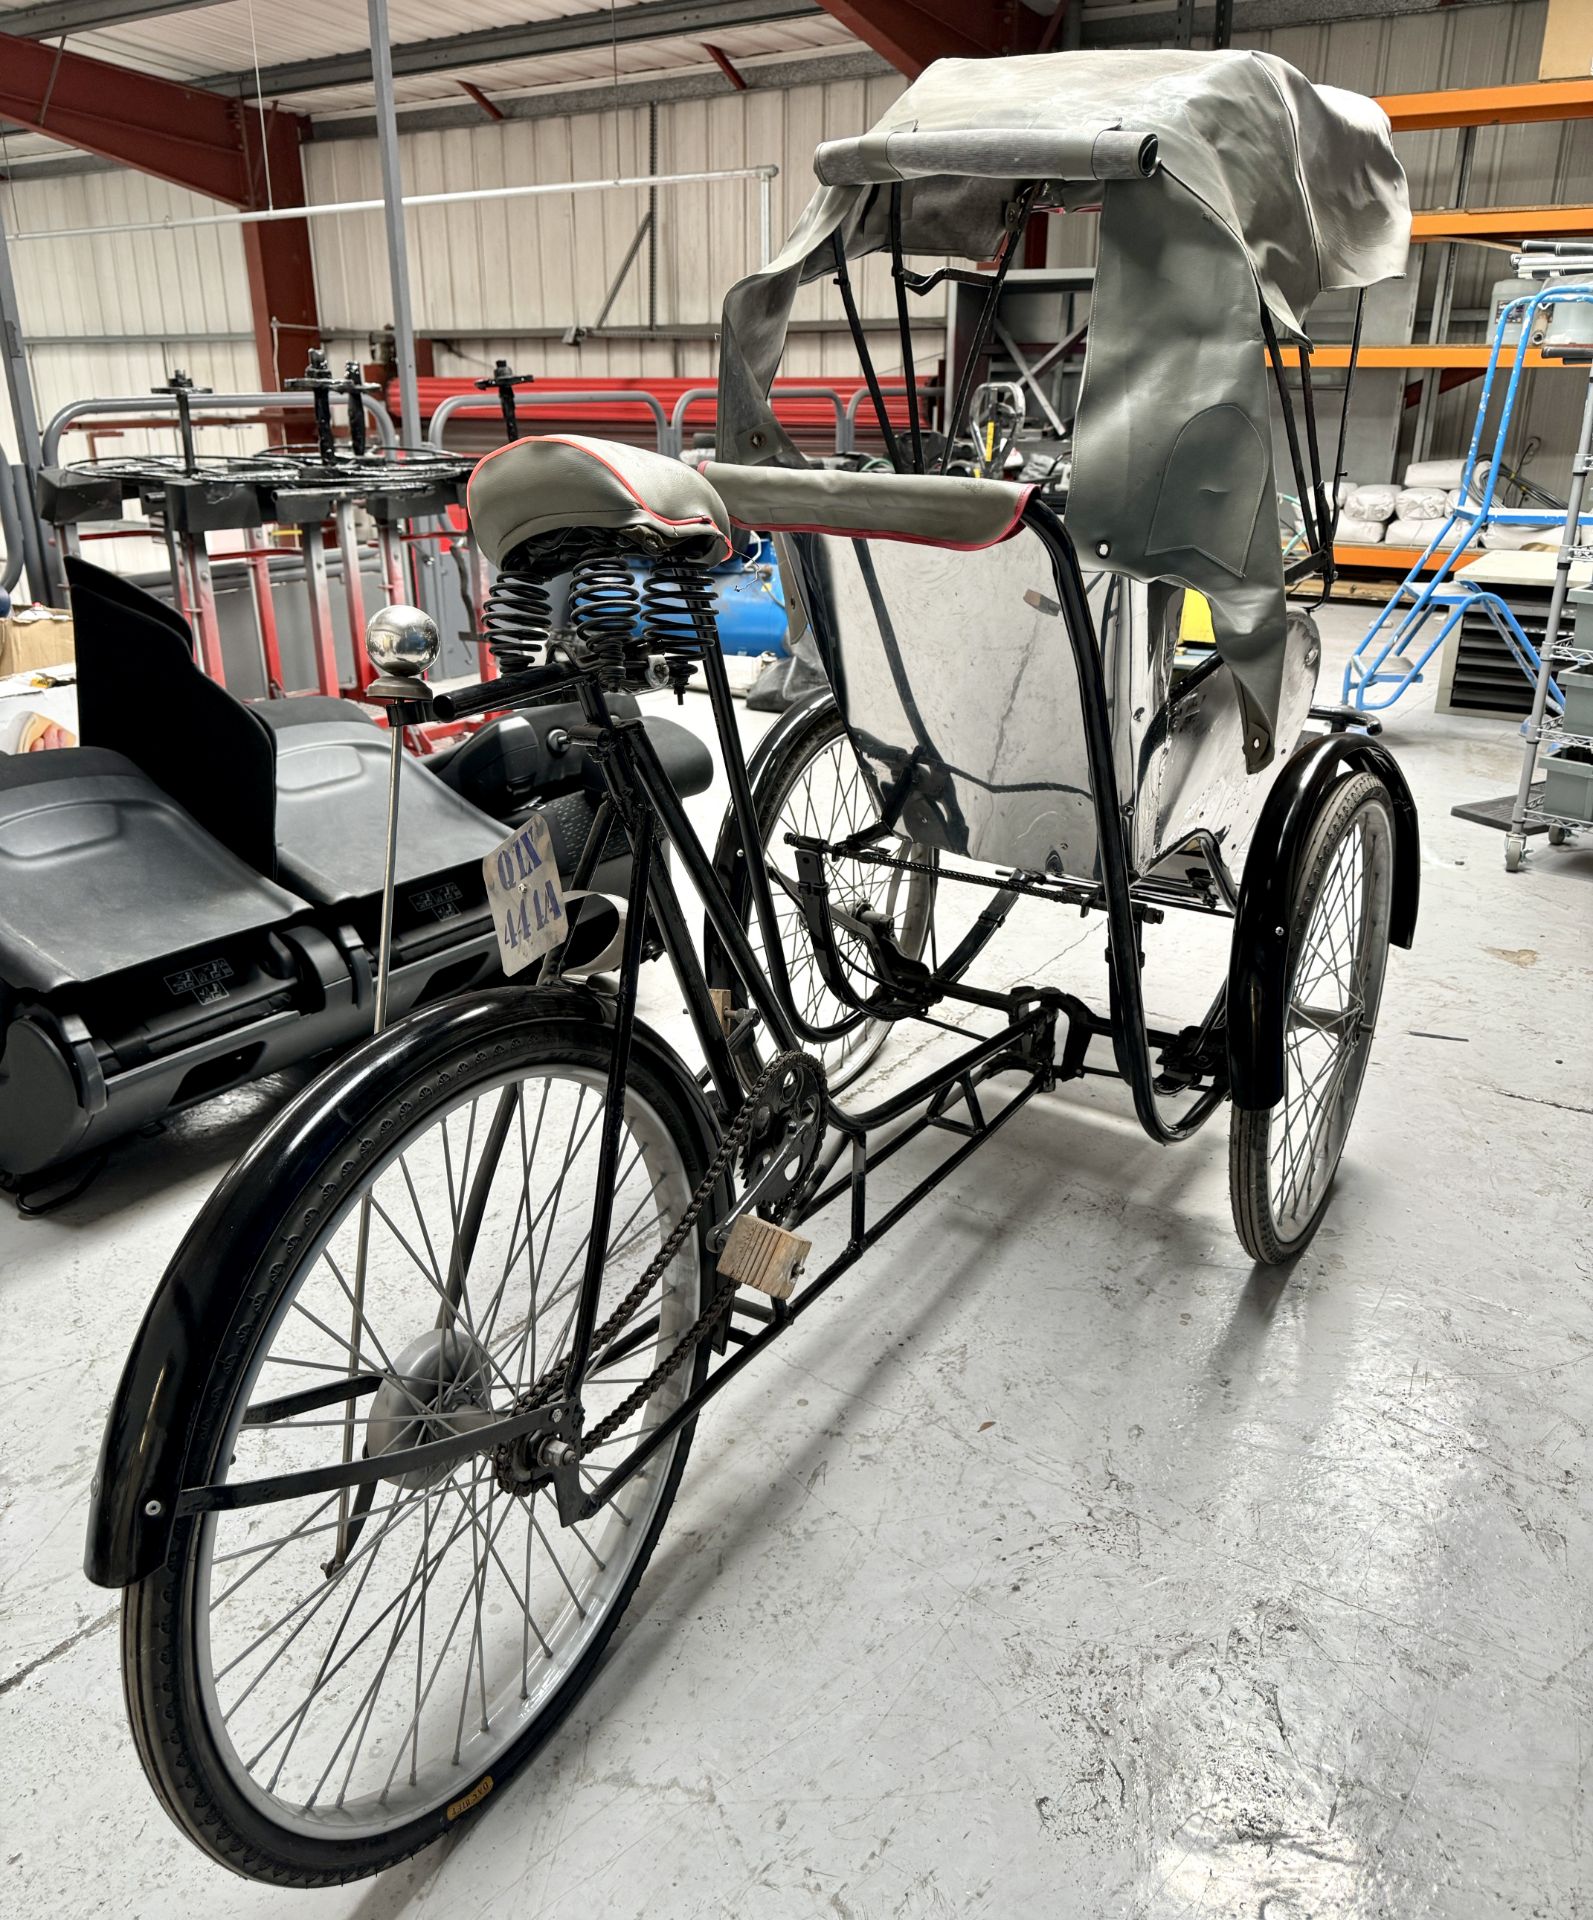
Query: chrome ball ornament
(402,642)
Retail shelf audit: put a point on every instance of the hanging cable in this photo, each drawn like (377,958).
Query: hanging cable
(259,102)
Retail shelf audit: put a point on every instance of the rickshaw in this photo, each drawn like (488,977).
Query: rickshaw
(408,1411)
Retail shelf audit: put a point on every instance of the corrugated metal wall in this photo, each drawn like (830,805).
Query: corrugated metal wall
(114,315)
(548,262)
(490,270)
(144,301)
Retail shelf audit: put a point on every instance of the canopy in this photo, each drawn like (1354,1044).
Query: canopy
(1258,181)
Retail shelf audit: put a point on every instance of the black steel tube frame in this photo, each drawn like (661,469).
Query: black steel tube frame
(843,281)
(642,796)
(904,327)
(647,803)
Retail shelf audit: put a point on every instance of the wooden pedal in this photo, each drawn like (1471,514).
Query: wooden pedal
(759,1254)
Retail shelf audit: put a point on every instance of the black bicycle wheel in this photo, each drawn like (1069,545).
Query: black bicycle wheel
(814,783)
(1281,1161)
(322,1686)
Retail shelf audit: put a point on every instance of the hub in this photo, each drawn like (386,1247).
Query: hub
(440,1389)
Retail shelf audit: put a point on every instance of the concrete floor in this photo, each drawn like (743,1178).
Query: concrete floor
(1061,1563)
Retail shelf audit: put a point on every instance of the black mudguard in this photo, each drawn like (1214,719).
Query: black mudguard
(1258,965)
(144,1452)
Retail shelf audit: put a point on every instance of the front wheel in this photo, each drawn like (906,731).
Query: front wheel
(320,1686)
(1281,1161)
(815,783)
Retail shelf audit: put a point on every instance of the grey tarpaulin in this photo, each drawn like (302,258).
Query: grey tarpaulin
(1265,181)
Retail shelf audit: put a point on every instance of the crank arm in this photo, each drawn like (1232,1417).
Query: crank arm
(752,1199)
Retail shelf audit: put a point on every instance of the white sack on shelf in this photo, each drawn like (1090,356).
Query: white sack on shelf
(1360,533)
(1421,503)
(1417,533)
(1435,473)
(1371,503)
(1507,539)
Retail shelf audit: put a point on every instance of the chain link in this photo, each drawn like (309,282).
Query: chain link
(555,1380)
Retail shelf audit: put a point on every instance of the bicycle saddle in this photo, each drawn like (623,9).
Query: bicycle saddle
(541,488)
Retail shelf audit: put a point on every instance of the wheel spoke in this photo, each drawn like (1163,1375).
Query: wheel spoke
(358,1690)
(1331,1009)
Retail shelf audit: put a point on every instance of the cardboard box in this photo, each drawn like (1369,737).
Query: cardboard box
(1567,41)
(33,638)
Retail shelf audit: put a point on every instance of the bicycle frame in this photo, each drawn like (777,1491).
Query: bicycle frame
(640,796)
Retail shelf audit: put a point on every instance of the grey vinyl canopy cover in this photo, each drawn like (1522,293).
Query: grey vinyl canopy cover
(1219,176)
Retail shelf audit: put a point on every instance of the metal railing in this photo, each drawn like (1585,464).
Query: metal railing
(76,410)
(487,407)
(669,430)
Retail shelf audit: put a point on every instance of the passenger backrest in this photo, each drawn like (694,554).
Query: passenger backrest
(141,694)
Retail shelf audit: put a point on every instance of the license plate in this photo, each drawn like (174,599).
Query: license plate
(526,895)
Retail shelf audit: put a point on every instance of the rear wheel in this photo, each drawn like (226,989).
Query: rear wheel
(815,784)
(1281,1161)
(320,1686)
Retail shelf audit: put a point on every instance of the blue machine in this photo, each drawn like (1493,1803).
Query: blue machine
(750,602)
(749,599)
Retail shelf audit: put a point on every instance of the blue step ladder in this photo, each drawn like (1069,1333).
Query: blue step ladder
(1425,609)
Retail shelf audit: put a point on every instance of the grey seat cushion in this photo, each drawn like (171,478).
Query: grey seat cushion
(546,484)
(100,870)
(332,814)
(936,510)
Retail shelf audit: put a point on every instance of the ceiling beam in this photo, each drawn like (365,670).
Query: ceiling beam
(191,137)
(911,33)
(489,46)
(194,139)
(1152,26)
(43,21)
(693,83)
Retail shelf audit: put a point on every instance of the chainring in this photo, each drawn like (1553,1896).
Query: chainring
(785,1134)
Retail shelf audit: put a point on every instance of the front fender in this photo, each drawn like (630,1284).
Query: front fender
(144,1451)
(1258,965)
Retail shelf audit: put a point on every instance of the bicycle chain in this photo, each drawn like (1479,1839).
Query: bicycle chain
(553,1382)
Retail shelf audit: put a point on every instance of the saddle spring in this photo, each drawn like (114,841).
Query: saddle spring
(516,621)
(680,618)
(605,611)
(645,632)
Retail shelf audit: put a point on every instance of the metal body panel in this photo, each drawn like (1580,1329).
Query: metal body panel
(958,663)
